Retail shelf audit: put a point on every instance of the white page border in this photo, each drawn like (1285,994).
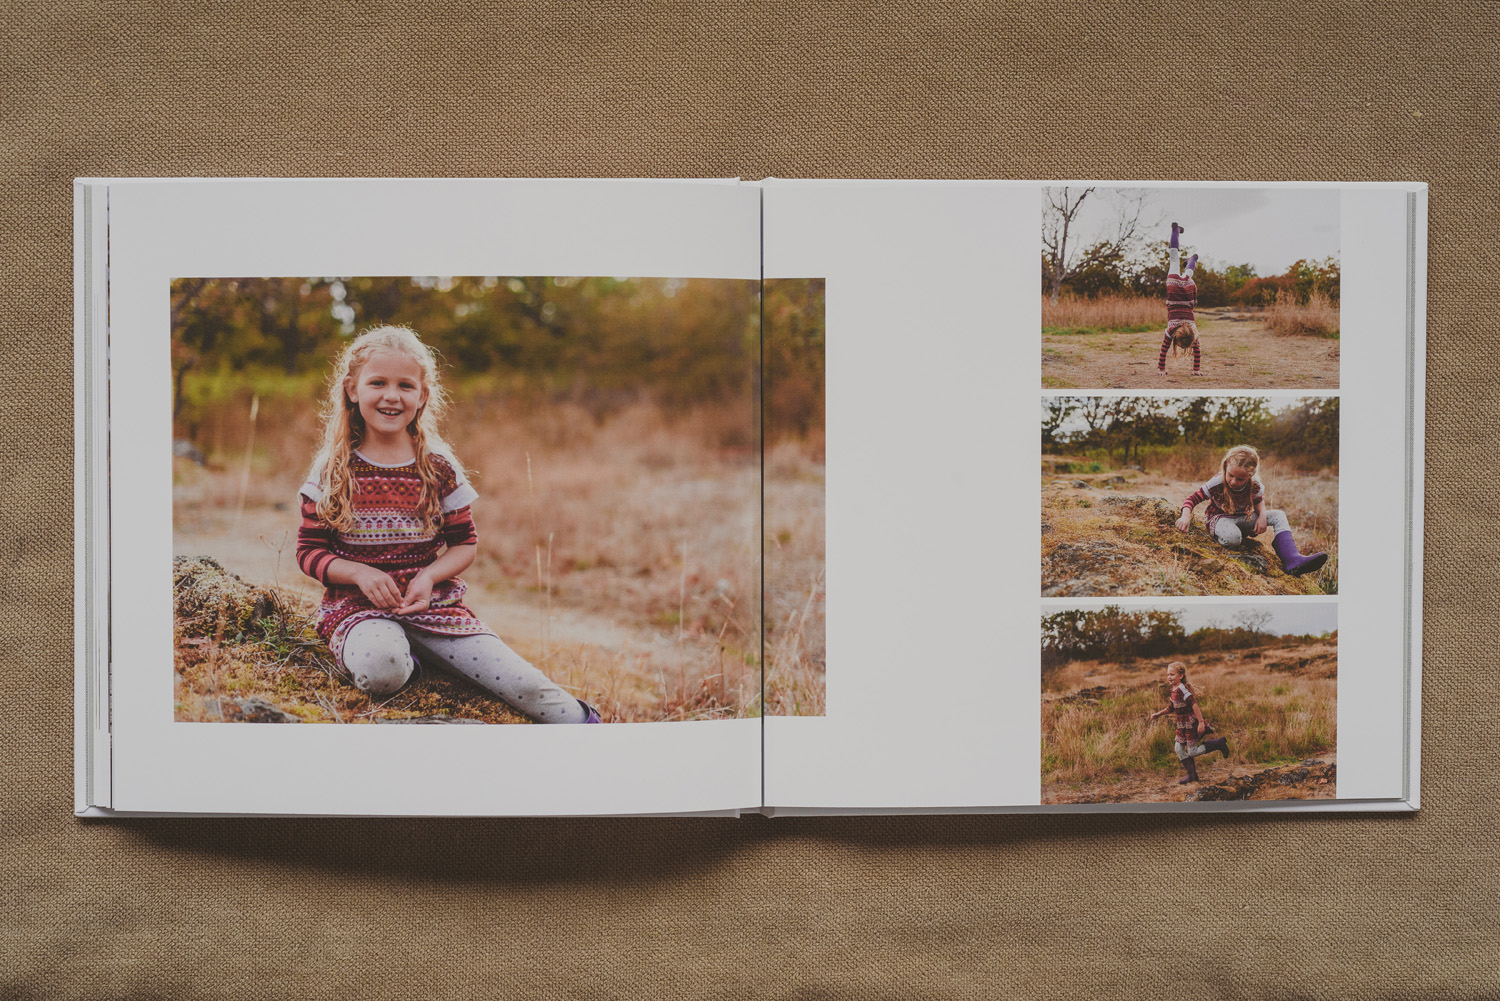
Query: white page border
(165,230)
(815,229)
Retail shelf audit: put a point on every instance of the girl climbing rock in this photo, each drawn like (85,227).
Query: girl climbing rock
(1237,510)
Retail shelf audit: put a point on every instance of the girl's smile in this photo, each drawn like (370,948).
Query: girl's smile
(389,392)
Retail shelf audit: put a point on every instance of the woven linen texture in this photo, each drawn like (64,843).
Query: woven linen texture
(939,907)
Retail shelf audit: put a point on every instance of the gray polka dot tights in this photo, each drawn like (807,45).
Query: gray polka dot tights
(380,655)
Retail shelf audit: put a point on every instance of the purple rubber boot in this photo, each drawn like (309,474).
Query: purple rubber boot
(1192,262)
(591,714)
(1218,744)
(1294,562)
(1175,230)
(1191,764)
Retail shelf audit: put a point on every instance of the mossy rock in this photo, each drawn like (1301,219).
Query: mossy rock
(1154,509)
(204,595)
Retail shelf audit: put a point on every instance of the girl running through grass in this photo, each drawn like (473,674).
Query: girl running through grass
(1237,510)
(1182,703)
(386,527)
(1182,296)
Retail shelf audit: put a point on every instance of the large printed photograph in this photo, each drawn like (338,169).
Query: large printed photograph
(489,500)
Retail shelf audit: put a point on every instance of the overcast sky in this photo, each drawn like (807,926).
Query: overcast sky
(1075,422)
(1295,617)
(1270,228)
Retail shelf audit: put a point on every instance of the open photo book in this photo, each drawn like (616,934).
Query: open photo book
(654,497)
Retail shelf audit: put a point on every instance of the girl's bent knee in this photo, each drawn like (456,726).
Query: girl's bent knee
(377,656)
(1228,534)
(383,677)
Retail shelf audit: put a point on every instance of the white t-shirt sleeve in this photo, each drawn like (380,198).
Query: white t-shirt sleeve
(311,488)
(462,495)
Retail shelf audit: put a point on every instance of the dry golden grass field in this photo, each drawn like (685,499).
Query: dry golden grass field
(1111,533)
(621,556)
(1276,705)
(1114,345)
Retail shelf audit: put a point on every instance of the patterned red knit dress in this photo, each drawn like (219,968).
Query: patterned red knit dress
(1222,500)
(1181,702)
(1182,297)
(389,535)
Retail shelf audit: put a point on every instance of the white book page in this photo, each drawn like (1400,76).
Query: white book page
(162,230)
(932,389)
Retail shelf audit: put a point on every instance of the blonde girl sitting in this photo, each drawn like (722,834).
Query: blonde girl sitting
(1237,510)
(386,527)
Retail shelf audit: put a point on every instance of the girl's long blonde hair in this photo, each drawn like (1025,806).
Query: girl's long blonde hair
(1182,676)
(344,428)
(1183,336)
(1241,457)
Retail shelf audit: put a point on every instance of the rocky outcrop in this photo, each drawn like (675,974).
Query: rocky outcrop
(1081,569)
(254,709)
(1286,782)
(208,598)
(1088,696)
(1096,543)
(1152,509)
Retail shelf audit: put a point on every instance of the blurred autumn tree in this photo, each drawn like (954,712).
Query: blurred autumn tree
(1125,427)
(1114,273)
(602,342)
(793,317)
(1113,633)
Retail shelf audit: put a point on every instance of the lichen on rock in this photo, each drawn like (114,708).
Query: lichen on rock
(204,595)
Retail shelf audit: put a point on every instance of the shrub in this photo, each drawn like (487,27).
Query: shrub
(1319,317)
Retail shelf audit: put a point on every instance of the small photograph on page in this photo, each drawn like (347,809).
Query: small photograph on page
(1200,495)
(1208,703)
(1201,287)
(479,499)
(795,510)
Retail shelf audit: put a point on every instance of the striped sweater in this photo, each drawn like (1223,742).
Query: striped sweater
(1222,500)
(388,535)
(1182,704)
(1182,296)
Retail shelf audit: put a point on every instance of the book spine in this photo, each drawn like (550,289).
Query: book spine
(92,758)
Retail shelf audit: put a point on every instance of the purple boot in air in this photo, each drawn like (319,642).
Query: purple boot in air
(1175,230)
(1192,262)
(591,715)
(1292,561)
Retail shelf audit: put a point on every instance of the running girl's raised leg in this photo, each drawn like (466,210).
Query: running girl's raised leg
(488,662)
(377,656)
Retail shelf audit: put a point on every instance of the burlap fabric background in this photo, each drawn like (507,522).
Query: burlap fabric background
(1335,907)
